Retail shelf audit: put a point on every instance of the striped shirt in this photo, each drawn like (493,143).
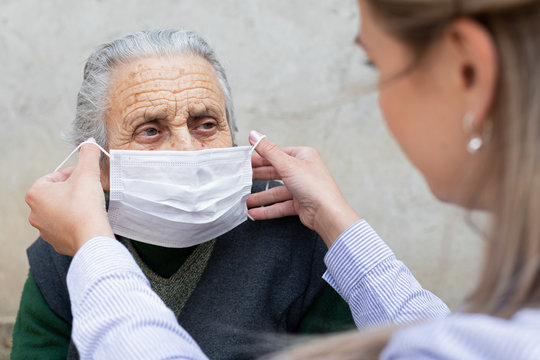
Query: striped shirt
(379,289)
(117,315)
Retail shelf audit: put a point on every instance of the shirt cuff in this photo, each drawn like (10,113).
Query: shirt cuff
(99,257)
(353,255)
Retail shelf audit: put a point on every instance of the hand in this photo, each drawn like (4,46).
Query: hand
(68,206)
(309,192)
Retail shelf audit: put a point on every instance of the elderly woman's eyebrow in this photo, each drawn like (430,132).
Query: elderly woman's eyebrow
(207,110)
(145,113)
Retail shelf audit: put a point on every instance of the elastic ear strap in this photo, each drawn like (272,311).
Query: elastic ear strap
(75,150)
(257,143)
(268,182)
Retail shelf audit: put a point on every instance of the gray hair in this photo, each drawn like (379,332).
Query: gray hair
(92,101)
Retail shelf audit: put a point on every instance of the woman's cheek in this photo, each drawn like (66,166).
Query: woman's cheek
(218,138)
(221,141)
(388,110)
(404,129)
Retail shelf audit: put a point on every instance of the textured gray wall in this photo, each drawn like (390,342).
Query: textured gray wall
(296,76)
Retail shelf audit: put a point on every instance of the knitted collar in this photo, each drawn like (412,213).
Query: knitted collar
(176,290)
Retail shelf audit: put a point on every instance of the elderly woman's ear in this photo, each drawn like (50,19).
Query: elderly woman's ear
(82,215)
(104,175)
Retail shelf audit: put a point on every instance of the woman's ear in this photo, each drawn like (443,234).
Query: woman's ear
(477,67)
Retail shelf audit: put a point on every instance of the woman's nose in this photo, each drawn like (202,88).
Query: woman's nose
(182,140)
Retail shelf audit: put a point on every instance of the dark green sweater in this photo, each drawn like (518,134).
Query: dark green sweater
(40,334)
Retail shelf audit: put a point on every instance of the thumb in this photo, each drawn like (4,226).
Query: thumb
(89,156)
(270,151)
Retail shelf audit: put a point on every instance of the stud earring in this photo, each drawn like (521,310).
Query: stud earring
(474,145)
(476,142)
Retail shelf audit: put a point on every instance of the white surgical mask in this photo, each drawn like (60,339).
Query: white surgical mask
(178,198)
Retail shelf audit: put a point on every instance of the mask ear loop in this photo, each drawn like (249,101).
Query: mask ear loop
(257,143)
(268,181)
(76,149)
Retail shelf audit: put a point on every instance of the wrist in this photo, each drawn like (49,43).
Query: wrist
(331,221)
(90,230)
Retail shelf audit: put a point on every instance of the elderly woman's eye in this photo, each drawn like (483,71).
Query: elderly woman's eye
(151,132)
(204,126)
(208,126)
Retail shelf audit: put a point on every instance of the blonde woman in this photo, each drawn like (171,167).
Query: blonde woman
(460,91)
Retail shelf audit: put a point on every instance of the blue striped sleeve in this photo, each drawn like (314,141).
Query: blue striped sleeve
(116,315)
(379,289)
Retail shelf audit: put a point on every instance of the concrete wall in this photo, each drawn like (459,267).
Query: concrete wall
(296,76)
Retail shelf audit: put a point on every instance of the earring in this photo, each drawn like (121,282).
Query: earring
(474,145)
(476,142)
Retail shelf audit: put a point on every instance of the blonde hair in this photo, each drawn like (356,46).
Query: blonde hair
(350,345)
(510,279)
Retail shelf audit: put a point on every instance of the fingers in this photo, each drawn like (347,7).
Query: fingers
(296,151)
(262,169)
(58,176)
(89,156)
(66,173)
(269,151)
(266,173)
(30,196)
(257,160)
(275,195)
(273,212)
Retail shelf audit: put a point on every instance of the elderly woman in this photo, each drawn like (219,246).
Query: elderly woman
(165,90)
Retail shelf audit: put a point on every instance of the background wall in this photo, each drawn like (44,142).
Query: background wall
(296,76)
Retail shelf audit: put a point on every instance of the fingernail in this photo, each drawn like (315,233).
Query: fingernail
(91,139)
(254,136)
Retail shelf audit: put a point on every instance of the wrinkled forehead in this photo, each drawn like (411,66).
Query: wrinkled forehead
(179,80)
